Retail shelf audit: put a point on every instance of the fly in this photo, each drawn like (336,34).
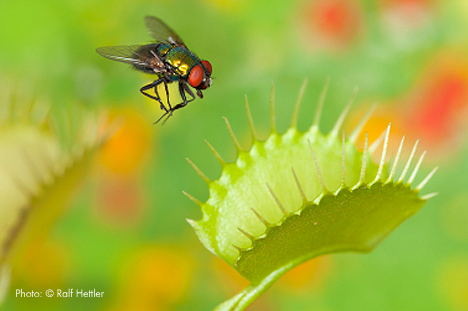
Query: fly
(169,59)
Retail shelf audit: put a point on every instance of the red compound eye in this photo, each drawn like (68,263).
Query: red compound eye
(207,66)
(196,76)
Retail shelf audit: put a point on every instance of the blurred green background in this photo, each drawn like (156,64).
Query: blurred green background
(125,232)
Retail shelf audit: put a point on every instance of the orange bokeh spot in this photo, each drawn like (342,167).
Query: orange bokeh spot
(376,127)
(230,279)
(309,274)
(126,150)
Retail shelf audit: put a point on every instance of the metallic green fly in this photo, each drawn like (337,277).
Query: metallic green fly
(169,59)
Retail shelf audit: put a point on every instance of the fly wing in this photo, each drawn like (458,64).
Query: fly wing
(161,32)
(136,55)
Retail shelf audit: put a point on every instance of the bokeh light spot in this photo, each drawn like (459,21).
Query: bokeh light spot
(310,274)
(231,281)
(332,23)
(154,278)
(120,201)
(436,109)
(127,149)
(45,264)
(452,282)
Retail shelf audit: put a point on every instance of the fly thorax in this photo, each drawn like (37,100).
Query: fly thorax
(181,59)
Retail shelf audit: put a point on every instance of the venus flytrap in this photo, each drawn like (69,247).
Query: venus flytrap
(299,195)
(42,162)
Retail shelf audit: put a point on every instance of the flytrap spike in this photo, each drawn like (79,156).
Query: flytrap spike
(278,202)
(395,162)
(272,109)
(362,175)
(318,112)
(373,147)
(429,196)
(384,155)
(334,132)
(408,163)
(319,172)
(299,187)
(261,218)
(233,136)
(426,180)
(249,116)
(248,235)
(216,154)
(239,249)
(194,200)
(199,172)
(357,131)
(416,169)
(298,104)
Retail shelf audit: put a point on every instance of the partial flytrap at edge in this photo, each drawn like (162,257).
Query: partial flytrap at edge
(268,213)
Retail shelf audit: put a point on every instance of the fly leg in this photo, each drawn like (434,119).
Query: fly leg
(182,89)
(167,96)
(155,86)
(167,112)
(188,90)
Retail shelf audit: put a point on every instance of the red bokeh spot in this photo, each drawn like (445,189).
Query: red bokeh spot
(335,21)
(434,110)
(441,100)
(120,201)
(437,107)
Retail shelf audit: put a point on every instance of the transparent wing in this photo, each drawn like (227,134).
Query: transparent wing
(161,32)
(140,56)
(124,54)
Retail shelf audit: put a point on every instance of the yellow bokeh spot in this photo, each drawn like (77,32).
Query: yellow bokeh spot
(155,279)
(127,149)
(453,282)
(230,6)
(45,264)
